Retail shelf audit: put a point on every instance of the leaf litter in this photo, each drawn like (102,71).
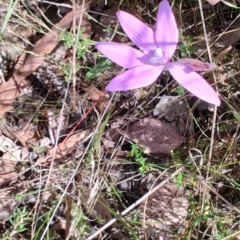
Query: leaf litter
(106,168)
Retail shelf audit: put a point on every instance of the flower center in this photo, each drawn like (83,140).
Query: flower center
(158,57)
(158,53)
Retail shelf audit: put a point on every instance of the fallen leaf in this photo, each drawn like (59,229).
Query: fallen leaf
(11,151)
(28,136)
(155,135)
(92,92)
(7,205)
(7,171)
(67,146)
(59,225)
(223,53)
(98,96)
(64,148)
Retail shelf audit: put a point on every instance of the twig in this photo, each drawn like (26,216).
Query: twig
(215,109)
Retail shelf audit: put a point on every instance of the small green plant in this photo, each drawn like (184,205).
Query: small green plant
(82,45)
(178,180)
(137,215)
(180,91)
(80,221)
(39,150)
(226,126)
(19,222)
(4,121)
(108,29)
(67,39)
(66,68)
(186,49)
(176,156)
(136,152)
(103,65)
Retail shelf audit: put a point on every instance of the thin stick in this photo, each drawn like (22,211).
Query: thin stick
(215,110)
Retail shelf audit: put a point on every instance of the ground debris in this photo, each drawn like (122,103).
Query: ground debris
(164,213)
(157,136)
(7,205)
(177,112)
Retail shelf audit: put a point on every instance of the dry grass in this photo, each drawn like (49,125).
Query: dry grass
(67,169)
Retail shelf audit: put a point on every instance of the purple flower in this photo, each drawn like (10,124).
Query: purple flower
(156,48)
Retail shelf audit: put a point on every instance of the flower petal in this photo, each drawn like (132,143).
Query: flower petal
(121,54)
(137,31)
(166,31)
(137,77)
(196,65)
(193,82)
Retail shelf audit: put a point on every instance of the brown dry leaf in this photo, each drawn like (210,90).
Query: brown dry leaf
(92,92)
(96,95)
(155,135)
(7,204)
(222,77)
(223,53)
(66,147)
(7,171)
(59,225)
(28,136)
(108,143)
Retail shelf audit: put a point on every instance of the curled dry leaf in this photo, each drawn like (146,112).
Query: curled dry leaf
(155,135)
(28,135)
(65,148)
(92,92)
(10,90)
(223,53)
(96,95)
